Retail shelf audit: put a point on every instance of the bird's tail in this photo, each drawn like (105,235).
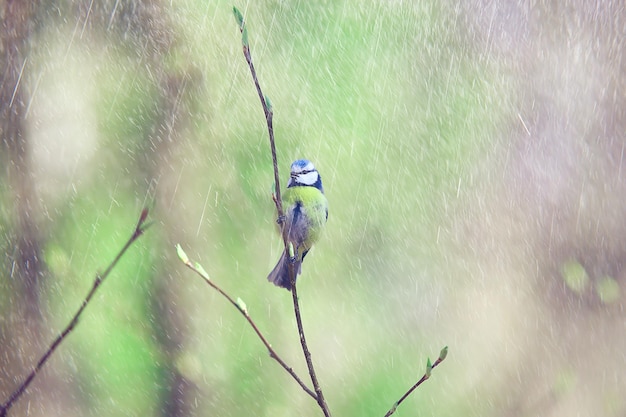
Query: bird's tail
(280,274)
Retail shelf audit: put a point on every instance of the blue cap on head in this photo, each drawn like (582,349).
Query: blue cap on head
(300,163)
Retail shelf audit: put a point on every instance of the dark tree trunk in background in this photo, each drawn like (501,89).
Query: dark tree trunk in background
(171,333)
(21,275)
(155,39)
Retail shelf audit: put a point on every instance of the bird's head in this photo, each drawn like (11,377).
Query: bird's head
(303,173)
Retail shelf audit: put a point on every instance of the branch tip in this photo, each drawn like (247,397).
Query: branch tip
(238,17)
(443,354)
(181,254)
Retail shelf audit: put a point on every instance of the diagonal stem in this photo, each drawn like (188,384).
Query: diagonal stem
(244,312)
(426,376)
(139,230)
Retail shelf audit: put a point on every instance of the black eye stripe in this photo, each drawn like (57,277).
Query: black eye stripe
(304,172)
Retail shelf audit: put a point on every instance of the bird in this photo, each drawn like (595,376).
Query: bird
(305,215)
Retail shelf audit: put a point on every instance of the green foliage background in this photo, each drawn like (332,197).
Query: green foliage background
(416,116)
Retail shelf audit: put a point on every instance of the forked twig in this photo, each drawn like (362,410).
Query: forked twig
(140,228)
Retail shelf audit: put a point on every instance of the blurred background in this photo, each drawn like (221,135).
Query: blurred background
(472,154)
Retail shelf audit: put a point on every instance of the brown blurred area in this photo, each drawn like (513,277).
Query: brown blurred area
(554,194)
(21,318)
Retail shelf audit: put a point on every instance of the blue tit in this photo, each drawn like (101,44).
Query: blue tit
(306,212)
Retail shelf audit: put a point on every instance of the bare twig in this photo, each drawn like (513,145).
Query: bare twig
(429,367)
(140,228)
(267,109)
(241,307)
(305,349)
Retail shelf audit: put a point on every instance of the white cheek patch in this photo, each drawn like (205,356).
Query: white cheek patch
(309,178)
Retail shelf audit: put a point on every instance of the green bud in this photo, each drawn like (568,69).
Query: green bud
(242,26)
(202,272)
(269,104)
(575,276)
(238,16)
(181,254)
(429,368)
(242,306)
(244,36)
(443,353)
(608,290)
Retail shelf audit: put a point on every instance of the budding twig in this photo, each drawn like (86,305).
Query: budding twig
(267,109)
(140,228)
(429,367)
(241,307)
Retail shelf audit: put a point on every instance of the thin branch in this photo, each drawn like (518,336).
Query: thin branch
(267,109)
(241,307)
(140,228)
(442,355)
(305,349)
